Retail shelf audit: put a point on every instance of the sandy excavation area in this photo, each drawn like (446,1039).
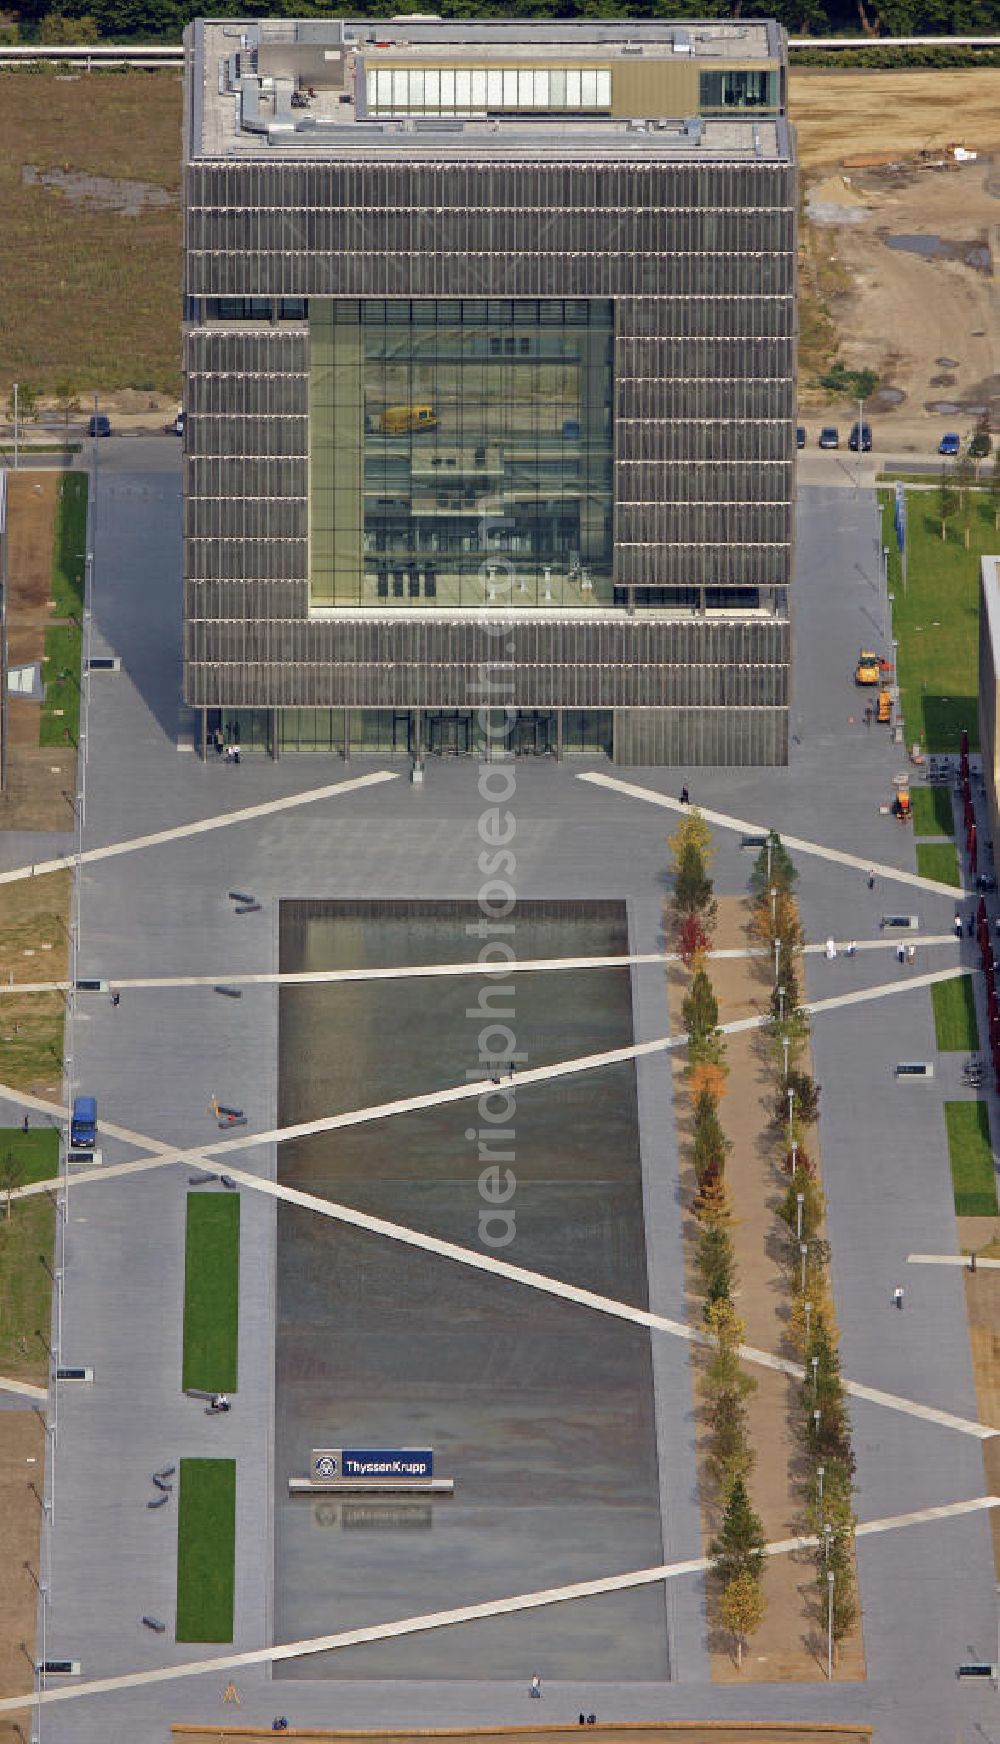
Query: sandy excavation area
(923,312)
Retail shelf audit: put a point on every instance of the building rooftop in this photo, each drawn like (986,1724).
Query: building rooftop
(412,88)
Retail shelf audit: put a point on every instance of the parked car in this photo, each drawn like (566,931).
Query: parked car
(99,425)
(800,435)
(829,436)
(860,438)
(950,443)
(177,427)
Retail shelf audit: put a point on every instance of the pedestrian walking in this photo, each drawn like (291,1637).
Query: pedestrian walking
(685,796)
(871,877)
(971,924)
(25,1124)
(868,714)
(236,752)
(116,1000)
(897,1295)
(957,924)
(901,953)
(535,1688)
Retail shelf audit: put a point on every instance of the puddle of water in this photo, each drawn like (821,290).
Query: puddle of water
(948,407)
(931,246)
(946,362)
(887,397)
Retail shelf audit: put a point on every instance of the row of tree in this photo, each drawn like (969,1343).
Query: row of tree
(959,488)
(824,1421)
(736,1591)
(865,19)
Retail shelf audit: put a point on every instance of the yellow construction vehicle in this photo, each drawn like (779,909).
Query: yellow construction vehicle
(883,713)
(869,668)
(400,420)
(901,805)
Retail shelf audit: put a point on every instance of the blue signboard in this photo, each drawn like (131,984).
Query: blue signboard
(333,1464)
(404,1462)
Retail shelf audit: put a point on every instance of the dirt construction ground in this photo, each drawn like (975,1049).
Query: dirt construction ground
(41,780)
(22,1437)
(925,316)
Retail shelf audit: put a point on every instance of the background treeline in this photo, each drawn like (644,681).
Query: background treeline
(158,19)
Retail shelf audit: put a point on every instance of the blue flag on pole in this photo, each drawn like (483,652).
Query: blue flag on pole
(899,517)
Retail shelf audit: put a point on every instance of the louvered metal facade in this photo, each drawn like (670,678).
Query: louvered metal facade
(696,255)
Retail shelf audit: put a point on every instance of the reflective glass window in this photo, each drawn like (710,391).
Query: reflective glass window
(460,453)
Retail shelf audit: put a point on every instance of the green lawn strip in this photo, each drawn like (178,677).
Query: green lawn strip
(26,1244)
(971,1156)
(955,1015)
(938,860)
(212,1292)
(936,621)
(36,1151)
(206,1550)
(61,707)
(69,545)
(932,812)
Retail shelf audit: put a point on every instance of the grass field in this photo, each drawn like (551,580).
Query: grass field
(60,716)
(955,1015)
(932,811)
(33,947)
(69,545)
(91,297)
(60,719)
(206,1550)
(26,1242)
(939,860)
(971,1156)
(212,1292)
(937,620)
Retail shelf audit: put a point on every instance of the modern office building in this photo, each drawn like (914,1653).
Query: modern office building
(490,385)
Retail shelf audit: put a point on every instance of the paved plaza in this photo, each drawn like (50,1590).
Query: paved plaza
(312,827)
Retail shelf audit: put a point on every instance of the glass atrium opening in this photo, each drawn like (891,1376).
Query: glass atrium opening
(460,452)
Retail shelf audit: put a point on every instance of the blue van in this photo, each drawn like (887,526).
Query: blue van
(83,1126)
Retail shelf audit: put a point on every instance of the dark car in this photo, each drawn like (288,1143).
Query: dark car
(950,443)
(800,435)
(860,438)
(829,436)
(99,425)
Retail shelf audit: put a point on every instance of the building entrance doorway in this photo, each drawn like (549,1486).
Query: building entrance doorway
(449,732)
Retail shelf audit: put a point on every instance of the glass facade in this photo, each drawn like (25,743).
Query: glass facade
(739,88)
(460,451)
(468,90)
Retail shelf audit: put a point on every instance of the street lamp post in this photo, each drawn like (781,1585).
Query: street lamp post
(809,1309)
(774,905)
(791,1105)
(777,960)
(827,1535)
(829,1625)
(781,1012)
(803,1253)
(800,1200)
(784,1044)
(815,1369)
(820,1475)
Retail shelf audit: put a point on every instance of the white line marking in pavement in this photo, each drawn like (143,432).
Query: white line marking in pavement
(964,1260)
(433,971)
(615,1583)
(205,1157)
(22,1387)
(220,821)
(630,791)
(468,1092)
